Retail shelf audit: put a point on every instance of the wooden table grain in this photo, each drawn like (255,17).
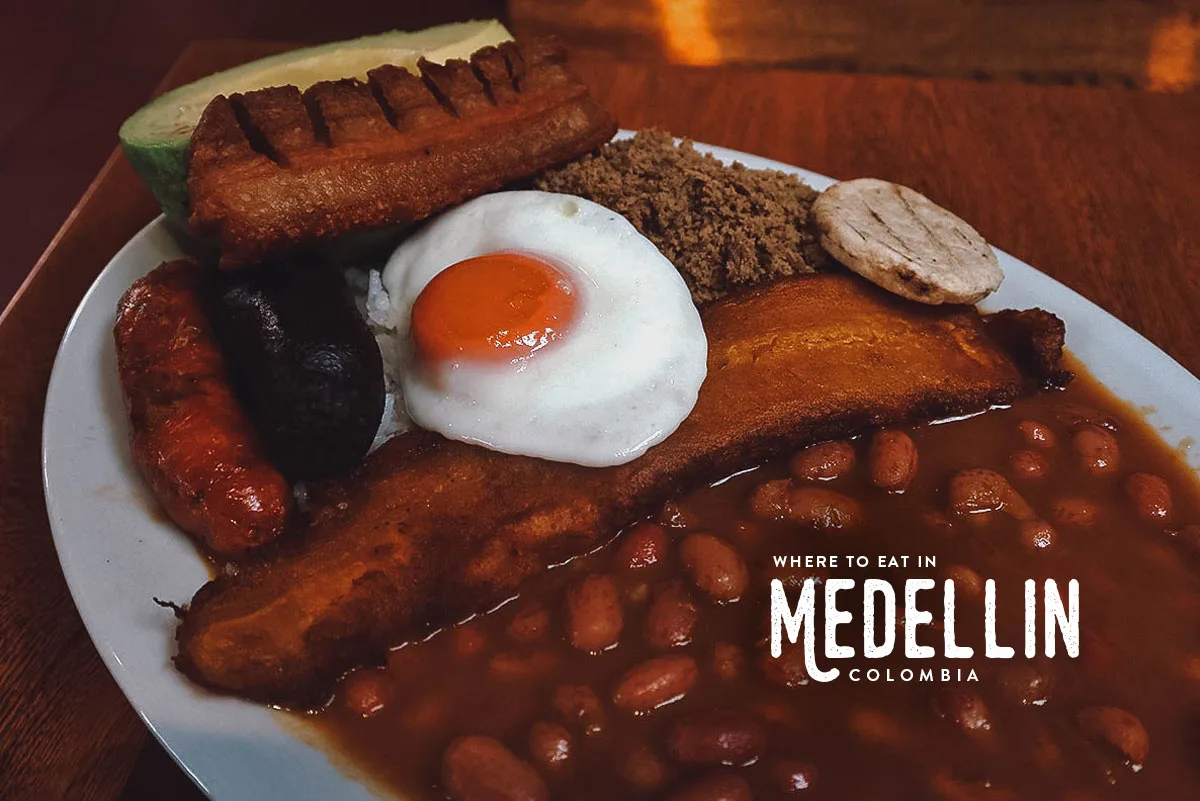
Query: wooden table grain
(1098,188)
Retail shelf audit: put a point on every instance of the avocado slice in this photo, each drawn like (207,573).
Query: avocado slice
(155,138)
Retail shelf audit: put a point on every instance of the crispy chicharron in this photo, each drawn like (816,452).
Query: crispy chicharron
(430,531)
(277,169)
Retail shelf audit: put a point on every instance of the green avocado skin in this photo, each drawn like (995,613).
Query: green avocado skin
(162,166)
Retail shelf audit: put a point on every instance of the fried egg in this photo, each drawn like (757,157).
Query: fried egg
(544,325)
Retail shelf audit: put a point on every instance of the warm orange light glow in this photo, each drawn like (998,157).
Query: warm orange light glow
(688,32)
(1171,63)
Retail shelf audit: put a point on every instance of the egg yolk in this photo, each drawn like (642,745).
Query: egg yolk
(495,308)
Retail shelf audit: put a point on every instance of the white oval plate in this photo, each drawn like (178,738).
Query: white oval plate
(118,552)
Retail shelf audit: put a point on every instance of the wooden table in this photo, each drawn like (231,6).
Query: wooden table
(1100,189)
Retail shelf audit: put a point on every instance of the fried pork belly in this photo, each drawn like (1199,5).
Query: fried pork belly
(430,530)
(276,169)
(1036,338)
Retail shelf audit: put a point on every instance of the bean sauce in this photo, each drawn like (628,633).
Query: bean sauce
(642,670)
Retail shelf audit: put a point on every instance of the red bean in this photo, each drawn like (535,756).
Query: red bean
(1036,535)
(671,617)
(977,491)
(482,769)
(1119,729)
(1037,435)
(1150,496)
(823,509)
(655,682)
(1097,448)
(593,614)
(823,462)
(644,545)
(791,776)
(1073,511)
(1028,464)
(892,460)
(549,745)
(367,691)
(676,514)
(770,499)
(964,708)
(716,568)
(1025,684)
(717,737)
(579,704)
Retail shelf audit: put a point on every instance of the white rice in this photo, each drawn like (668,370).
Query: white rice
(376,308)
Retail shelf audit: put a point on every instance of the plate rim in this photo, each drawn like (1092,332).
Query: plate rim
(107,653)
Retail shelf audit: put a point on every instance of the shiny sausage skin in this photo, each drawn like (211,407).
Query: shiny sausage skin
(191,439)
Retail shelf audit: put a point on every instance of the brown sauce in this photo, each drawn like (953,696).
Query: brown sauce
(1027,729)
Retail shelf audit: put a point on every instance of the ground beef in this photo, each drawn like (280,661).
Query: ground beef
(722,227)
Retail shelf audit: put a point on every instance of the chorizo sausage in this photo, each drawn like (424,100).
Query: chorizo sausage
(191,439)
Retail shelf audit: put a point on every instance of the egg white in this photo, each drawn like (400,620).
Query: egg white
(622,378)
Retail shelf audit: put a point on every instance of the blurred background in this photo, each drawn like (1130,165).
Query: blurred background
(72,70)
